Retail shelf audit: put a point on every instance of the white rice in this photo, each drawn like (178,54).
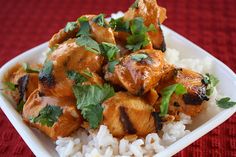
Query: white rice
(101,142)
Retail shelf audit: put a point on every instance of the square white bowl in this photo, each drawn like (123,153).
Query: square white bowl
(42,146)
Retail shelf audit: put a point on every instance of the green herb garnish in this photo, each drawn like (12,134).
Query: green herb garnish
(20,105)
(211,81)
(100,20)
(70,26)
(111,65)
(225,103)
(109,50)
(84,26)
(138,57)
(77,77)
(88,73)
(28,69)
(48,115)
(166,95)
(135,4)
(10,86)
(88,43)
(89,100)
(119,25)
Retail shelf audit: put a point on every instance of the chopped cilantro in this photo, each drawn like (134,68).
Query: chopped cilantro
(48,115)
(88,73)
(166,95)
(211,81)
(45,75)
(70,26)
(109,50)
(89,100)
(135,5)
(10,86)
(152,28)
(119,25)
(84,26)
(100,20)
(225,103)
(88,43)
(28,69)
(138,57)
(111,65)
(77,77)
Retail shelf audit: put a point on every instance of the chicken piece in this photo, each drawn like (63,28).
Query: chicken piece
(99,33)
(25,82)
(152,14)
(126,114)
(190,103)
(69,56)
(139,75)
(69,120)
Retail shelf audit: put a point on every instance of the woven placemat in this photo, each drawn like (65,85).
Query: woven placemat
(211,24)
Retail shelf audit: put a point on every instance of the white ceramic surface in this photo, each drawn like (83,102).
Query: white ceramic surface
(42,146)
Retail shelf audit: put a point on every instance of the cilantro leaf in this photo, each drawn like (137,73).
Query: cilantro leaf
(10,86)
(48,115)
(111,65)
(93,113)
(135,5)
(20,105)
(166,95)
(45,74)
(84,26)
(88,43)
(225,103)
(100,20)
(138,57)
(119,25)
(89,98)
(88,73)
(109,50)
(28,69)
(77,77)
(70,26)
(151,28)
(211,81)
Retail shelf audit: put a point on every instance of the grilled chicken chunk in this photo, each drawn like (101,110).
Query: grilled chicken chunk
(189,103)
(69,56)
(69,120)
(152,14)
(99,33)
(139,75)
(127,114)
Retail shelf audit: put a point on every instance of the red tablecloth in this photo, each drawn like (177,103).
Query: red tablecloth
(208,23)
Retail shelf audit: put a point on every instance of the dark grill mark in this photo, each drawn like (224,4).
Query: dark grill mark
(193,99)
(22,85)
(47,80)
(41,94)
(176,104)
(157,120)
(125,121)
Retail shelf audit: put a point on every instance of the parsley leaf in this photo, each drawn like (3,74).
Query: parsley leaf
(10,86)
(84,26)
(48,115)
(119,25)
(28,69)
(225,103)
(70,26)
(138,38)
(138,57)
(109,50)
(100,20)
(89,98)
(166,95)
(135,4)
(111,65)
(88,43)
(211,81)
(77,77)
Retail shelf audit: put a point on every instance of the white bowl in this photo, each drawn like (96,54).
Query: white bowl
(43,146)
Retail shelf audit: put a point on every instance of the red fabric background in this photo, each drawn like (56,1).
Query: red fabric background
(208,23)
